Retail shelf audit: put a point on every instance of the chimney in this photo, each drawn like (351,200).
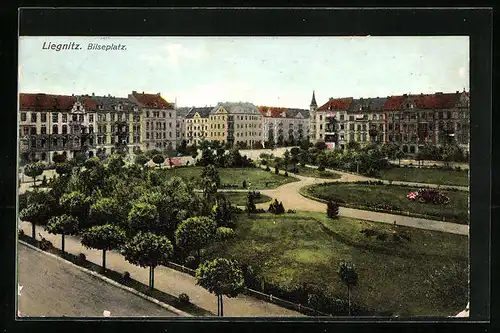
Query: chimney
(158,94)
(93,95)
(456,92)
(134,92)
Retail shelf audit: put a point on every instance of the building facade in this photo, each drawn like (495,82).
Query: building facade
(197,125)
(284,125)
(180,124)
(409,121)
(236,123)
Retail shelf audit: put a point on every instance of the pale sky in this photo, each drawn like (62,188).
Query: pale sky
(273,71)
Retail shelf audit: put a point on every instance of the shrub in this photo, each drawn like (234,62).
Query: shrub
(125,277)
(291,211)
(276,207)
(321,168)
(381,237)
(45,244)
(82,257)
(244,184)
(276,170)
(286,173)
(263,162)
(183,298)
(268,168)
(332,209)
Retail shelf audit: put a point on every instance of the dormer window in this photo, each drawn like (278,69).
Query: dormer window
(101,107)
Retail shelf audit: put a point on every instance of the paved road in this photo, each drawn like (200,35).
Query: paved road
(54,288)
(170,281)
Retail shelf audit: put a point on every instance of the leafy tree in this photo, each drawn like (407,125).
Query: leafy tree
(332,209)
(63,168)
(141,160)
(251,208)
(150,153)
(79,158)
(34,213)
(320,145)
(143,217)
(195,233)
(399,155)
(34,170)
(353,145)
(452,153)
(76,204)
(210,182)
(106,210)
(59,158)
(93,162)
(103,237)
(286,159)
(221,277)
(222,212)
(115,164)
(207,156)
(158,159)
(148,250)
(348,275)
(64,225)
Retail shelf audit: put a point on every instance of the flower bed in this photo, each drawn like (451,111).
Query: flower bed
(428,196)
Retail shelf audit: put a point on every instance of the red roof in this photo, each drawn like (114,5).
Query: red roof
(435,101)
(339,104)
(154,101)
(394,103)
(52,102)
(275,111)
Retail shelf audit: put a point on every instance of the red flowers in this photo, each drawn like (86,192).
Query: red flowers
(428,195)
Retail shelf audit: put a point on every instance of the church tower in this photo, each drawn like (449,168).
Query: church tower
(312,118)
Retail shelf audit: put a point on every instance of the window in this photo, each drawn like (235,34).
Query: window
(43,117)
(341,117)
(33,117)
(80,117)
(351,127)
(23,116)
(54,129)
(351,118)
(43,130)
(64,129)
(91,129)
(320,117)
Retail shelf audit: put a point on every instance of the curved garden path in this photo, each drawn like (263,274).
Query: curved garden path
(290,195)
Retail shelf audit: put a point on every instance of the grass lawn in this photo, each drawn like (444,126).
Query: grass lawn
(240,198)
(422,175)
(374,195)
(256,178)
(311,172)
(394,278)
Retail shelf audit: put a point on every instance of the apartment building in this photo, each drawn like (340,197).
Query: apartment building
(158,121)
(284,125)
(197,124)
(236,123)
(180,124)
(407,120)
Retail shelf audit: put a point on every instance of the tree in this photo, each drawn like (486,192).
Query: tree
(158,159)
(106,210)
(141,160)
(251,208)
(59,158)
(34,170)
(93,162)
(115,164)
(286,159)
(320,145)
(399,155)
(195,233)
(451,153)
(148,250)
(210,182)
(332,209)
(222,212)
(348,275)
(103,237)
(143,217)
(353,145)
(76,204)
(221,277)
(34,213)
(64,225)
(223,233)
(63,168)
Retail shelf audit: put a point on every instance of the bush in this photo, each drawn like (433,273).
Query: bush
(244,184)
(332,209)
(183,298)
(125,277)
(286,173)
(321,168)
(45,245)
(276,207)
(268,168)
(82,257)
(291,211)
(263,162)
(276,170)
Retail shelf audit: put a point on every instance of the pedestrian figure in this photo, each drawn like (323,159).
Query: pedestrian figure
(394,222)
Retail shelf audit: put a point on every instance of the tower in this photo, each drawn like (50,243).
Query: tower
(312,118)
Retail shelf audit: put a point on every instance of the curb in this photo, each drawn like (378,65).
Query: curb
(112,282)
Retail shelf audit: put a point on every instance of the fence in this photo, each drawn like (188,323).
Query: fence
(257,294)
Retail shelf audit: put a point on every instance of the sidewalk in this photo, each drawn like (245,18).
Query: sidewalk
(169,280)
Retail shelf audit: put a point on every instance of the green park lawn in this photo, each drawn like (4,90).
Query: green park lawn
(311,172)
(256,178)
(423,175)
(240,198)
(395,278)
(368,195)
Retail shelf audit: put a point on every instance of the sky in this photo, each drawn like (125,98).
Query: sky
(272,71)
